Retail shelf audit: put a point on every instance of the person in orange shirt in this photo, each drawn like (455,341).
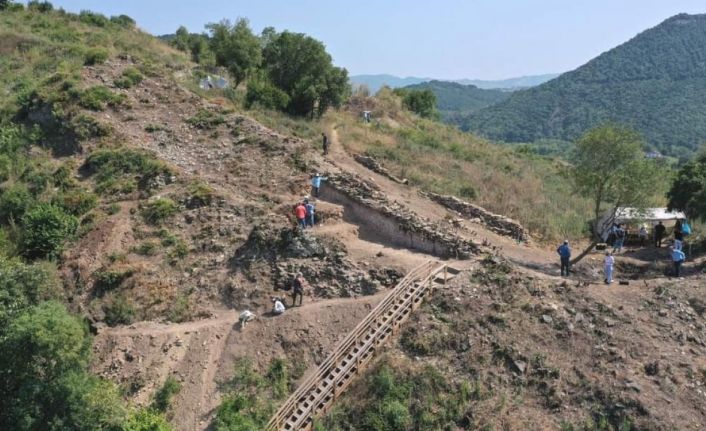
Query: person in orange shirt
(300,212)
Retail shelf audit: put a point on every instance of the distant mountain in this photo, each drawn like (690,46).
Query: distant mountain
(375,82)
(655,82)
(453,98)
(510,83)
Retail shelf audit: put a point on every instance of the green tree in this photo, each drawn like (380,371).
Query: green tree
(44,384)
(610,169)
(23,285)
(688,191)
(300,66)
(45,228)
(421,102)
(235,47)
(181,39)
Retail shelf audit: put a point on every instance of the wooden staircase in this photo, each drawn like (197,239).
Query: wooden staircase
(318,392)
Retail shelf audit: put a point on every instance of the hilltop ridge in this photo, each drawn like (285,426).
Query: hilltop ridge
(654,82)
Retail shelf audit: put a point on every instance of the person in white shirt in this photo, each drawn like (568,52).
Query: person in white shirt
(245,317)
(608,263)
(643,235)
(277,307)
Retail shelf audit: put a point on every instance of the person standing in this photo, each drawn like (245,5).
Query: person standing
(316,184)
(298,285)
(564,255)
(643,235)
(659,234)
(300,213)
(324,143)
(619,239)
(678,232)
(309,213)
(678,257)
(608,265)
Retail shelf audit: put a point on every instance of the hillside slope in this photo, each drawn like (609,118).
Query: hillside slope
(655,82)
(454,99)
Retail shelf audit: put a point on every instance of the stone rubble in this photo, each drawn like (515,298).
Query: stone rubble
(497,223)
(408,222)
(376,167)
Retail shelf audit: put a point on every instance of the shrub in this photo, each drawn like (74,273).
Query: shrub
(92,18)
(95,56)
(110,279)
(145,419)
(119,311)
(263,93)
(129,78)
(147,248)
(151,128)
(180,250)
(467,192)
(113,209)
(87,127)
(158,210)
(180,311)
(205,119)
(95,98)
(110,165)
(76,202)
(123,21)
(14,201)
(163,397)
(200,195)
(45,228)
(43,6)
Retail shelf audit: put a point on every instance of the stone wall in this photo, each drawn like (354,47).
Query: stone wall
(497,223)
(376,167)
(380,219)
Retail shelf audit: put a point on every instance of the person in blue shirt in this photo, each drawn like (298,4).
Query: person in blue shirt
(678,257)
(565,255)
(309,212)
(316,184)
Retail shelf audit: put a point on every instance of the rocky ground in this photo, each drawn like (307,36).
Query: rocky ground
(558,350)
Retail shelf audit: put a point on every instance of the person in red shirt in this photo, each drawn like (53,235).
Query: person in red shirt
(300,212)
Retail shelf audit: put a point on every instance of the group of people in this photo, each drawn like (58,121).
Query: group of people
(616,237)
(305,211)
(298,286)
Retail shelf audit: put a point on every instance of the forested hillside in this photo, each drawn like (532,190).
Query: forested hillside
(655,82)
(454,99)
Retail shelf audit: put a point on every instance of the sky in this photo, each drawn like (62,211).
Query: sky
(443,39)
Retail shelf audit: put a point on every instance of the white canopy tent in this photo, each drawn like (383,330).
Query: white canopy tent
(634,216)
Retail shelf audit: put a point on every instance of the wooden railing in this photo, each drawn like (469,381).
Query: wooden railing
(319,390)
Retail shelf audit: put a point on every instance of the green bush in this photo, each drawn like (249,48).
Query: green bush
(163,397)
(109,279)
(92,18)
(87,127)
(23,285)
(14,201)
(95,56)
(200,195)
(119,311)
(262,92)
(158,210)
(146,420)
(205,119)
(151,128)
(180,311)
(129,78)
(147,248)
(123,21)
(40,6)
(45,228)
(76,202)
(97,97)
(467,192)
(111,165)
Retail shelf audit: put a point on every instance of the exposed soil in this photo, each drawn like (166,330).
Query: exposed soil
(243,247)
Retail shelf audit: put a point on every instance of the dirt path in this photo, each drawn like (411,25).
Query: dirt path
(201,354)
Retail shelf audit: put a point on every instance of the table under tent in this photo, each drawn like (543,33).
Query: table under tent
(632,219)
